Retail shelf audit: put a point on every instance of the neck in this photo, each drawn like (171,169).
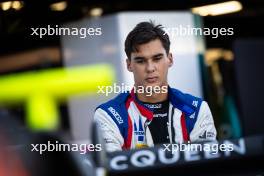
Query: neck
(154,97)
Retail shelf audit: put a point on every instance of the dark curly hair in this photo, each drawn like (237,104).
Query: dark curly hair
(145,32)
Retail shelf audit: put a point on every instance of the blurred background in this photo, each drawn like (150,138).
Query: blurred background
(226,71)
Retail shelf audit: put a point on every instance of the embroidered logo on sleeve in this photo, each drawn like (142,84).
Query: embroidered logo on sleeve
(195,103)
(116,115)
(206,135)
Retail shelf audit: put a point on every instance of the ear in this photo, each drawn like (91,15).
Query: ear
(170,59)
(128,62)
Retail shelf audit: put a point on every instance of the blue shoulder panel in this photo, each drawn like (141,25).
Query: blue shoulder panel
(116,109)
(188,104)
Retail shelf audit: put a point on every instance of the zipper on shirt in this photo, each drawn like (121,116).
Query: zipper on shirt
(169,123)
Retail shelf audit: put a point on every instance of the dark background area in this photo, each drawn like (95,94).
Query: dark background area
(15,25)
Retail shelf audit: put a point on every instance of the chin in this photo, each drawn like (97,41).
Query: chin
(155,84)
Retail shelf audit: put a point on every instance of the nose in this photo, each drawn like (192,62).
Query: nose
(150,67)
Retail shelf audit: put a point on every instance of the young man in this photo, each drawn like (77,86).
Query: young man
(152,113)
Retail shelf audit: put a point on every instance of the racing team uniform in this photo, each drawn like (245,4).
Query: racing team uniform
(125,121)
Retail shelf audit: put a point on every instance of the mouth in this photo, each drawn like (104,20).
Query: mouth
(152,79)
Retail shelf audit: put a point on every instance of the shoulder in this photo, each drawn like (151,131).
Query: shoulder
(114,108)
(185,96)
(184,101)
(196,109)
(116,101)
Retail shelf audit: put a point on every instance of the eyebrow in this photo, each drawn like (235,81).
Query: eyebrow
(139,58)
(143,58)
(157,55)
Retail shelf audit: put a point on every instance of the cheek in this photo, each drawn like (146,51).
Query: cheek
(163,70)
(138,69)
(138,74)
(163,67)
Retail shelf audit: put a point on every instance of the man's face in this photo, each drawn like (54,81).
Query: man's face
(150,64)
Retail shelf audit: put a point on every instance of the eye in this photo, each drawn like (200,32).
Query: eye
(140,61)
(157,58)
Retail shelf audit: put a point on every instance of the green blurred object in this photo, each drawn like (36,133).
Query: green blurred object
(41,90)
(42,112)
(232,117)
